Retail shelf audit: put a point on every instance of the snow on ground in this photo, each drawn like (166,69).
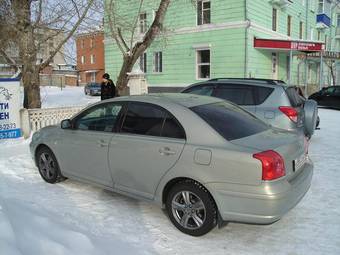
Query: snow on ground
(75,218)
(68,96)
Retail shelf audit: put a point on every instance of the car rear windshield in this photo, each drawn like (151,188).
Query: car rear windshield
(230,121)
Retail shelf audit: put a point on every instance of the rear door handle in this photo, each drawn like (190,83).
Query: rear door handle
(102,143)
(166,151)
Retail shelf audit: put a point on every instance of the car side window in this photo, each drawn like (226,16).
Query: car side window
(99,118)
(328,91)
(143,119)
(202,90)
(238,94)
(337,92)
(172,128)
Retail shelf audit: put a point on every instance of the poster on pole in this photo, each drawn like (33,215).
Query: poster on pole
(10,108)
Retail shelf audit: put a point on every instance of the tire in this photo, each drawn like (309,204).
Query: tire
(311,115)
(191,208)
(48,166)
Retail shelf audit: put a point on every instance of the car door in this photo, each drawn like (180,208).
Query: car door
(83,149)
(326,97)
(149,143)
(334,98)
(241,95)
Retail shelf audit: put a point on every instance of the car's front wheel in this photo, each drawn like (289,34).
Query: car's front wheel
(191,208)
(48,165)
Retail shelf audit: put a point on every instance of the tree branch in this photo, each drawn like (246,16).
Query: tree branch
(73,30)
(135,23)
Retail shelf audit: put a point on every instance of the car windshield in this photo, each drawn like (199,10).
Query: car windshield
(230,121)
(94,85)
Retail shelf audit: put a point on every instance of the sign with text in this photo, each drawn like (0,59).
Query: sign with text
(288,45)
(9,108)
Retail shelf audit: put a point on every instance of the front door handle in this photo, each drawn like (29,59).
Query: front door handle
(166,151)
(102,143)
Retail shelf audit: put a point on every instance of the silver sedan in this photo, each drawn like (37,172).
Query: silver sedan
(201,158)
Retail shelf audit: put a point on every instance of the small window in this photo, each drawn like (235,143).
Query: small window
(289,25)
(93,59)
(203,12)
(92,43)
(143,119)
(241,95)
(230,121)
(338,20)
(83,59)
(158,65)
(99,118)
(274,19)
(201,90)
(82,44)
(203,64)
(301,30)
(143,62)
(320,6)
(142,23)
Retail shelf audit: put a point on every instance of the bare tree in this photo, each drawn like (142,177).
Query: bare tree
(330,63)
(123,32)
(29,24)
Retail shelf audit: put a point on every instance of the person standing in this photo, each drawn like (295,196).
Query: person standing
(108,88)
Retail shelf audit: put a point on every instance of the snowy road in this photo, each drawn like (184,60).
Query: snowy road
(74,218)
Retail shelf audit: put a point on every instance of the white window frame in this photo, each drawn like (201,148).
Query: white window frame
(201,2)
(143,23)
(158,62)
(93,59)
(91,42)
(276,21)
(82,60)
(202,64)
(143,62)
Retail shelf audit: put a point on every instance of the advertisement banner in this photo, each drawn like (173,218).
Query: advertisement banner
(10,108)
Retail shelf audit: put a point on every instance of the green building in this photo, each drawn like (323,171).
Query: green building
(274,39)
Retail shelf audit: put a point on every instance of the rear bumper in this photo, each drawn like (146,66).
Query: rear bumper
(262,204)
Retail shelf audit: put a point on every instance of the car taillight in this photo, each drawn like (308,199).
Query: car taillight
(273,166)
(290,112)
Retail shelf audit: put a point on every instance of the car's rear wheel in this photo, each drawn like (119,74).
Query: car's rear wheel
(191,208)
(311,116)
(48,166)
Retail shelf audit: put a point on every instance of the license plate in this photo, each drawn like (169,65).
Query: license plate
(299,162)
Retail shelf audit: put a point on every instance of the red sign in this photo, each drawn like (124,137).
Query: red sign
(287,45)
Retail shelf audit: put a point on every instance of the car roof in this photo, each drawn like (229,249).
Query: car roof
(242,81)
(186,100)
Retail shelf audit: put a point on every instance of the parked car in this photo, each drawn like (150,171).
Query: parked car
(328,97)
(272,101)
(204,159)
(92,89)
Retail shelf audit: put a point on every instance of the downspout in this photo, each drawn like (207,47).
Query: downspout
(246,39)
(306,62)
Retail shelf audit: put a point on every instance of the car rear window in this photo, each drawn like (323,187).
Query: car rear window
(238,94)
(229,120)
(263,93)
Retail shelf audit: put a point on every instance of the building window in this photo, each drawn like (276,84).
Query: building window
(289,25)
(288,67)
(83,59)
(142,23)
(158,65)
(320,6)
(93,59)
(203,64)
(338,20)
(301,30)
(326,42)
(92,43)
(143,63)
(203,12)
(82,44)
(311,33)
(319,35)
(274,20)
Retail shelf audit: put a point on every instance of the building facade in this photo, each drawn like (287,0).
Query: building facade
(218,38)
(90,57)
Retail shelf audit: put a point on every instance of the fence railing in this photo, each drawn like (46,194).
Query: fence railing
(35,119)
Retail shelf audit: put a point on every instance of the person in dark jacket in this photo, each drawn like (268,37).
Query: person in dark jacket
(108,88)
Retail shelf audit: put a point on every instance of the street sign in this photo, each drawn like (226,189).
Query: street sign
(10,108)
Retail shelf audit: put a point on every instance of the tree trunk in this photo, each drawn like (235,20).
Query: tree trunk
(31,84)
(123,78)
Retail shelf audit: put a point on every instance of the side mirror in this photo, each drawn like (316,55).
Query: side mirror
(66,124)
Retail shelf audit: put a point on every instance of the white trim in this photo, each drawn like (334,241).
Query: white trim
(202,46)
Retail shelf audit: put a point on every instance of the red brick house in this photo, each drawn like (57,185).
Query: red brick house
(90,57)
